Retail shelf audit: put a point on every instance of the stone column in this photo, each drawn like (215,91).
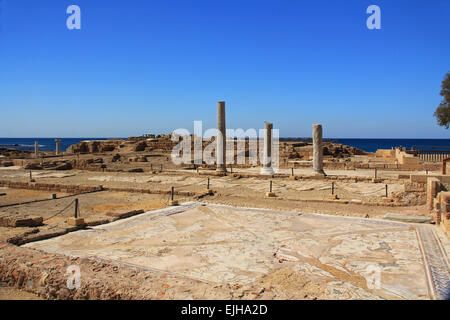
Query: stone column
(317,149)
(267,155)
(221,138)
(36,149)
(58,146)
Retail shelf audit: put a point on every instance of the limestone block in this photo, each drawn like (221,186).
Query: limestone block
(77,222)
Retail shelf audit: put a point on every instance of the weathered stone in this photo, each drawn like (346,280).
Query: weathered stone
(77,222)
(33,166)
(7,163)
(58,146)
(63,166)
(15,221)
(267,155)
(221,138)
(140,146)
(36,149)
(407,218)
(122,214)
(317,149)
(116,158)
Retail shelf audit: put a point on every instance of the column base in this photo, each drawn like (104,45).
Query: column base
(320,173)
(76,222)
(267,171)
(221,172)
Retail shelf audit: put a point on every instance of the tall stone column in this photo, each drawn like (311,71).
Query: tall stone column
(267,154)
(36,149)
(58,146)
(317,149)
(221,138)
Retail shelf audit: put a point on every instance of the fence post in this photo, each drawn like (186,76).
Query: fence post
(76,208)
(172,202)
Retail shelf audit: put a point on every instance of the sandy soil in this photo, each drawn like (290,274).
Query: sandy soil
(323,255)
(92,206)
(286,281)
(356,210)
(11,293)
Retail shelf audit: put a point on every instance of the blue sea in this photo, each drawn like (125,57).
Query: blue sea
(369,145)
(45,144)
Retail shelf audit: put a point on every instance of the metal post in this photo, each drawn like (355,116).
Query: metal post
(332,188)
(270,185)
(292,171)
(231,168)
(151,166)
(76,208)
(208,184)
(171,193)
(386,191)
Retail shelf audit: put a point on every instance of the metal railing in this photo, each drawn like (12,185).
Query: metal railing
(431,153)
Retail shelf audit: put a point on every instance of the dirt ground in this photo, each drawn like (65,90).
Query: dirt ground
(290,195)
(356,210)
(311,254)
(92,207)
(284,282)
(11,293)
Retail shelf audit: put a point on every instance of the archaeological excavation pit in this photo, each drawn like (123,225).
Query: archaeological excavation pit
(220,244)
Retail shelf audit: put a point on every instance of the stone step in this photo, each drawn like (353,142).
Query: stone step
(407,218)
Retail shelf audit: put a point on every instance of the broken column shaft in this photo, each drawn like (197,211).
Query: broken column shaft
(58,146)
(317,149)
(267,155)
(36,149)
(221,138)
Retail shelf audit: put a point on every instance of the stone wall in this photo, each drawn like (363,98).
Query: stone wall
(77,189)
(438,203)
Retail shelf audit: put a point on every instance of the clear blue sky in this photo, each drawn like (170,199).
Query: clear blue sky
(153,66)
